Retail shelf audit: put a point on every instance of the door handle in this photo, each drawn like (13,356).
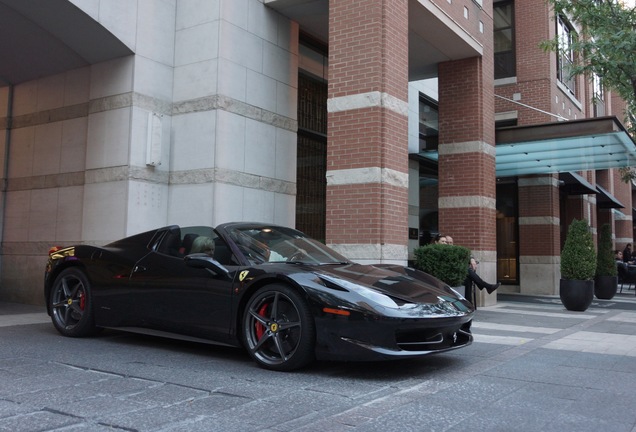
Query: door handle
(139,269)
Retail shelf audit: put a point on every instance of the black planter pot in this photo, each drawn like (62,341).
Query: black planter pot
(576,295)
(605,287)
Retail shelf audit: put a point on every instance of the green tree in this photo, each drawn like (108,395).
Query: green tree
(606,46)
(605,262)
(578,257)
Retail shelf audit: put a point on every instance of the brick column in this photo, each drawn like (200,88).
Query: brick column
(605,179)
(540,233)
(467,203)
(367,147)
(623,222)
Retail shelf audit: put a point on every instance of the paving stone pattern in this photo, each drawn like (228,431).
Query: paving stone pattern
(533,367)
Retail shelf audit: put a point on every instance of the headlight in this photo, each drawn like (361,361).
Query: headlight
(461,297)
(368,293)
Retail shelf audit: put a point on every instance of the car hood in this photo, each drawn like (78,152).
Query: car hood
(397,281)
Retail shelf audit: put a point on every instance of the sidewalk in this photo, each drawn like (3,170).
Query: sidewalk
(606,327)
(21,314)
(534,367)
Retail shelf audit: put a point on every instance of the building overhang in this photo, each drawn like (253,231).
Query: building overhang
(576,145)
(562,147)
(434,37)
(43,38)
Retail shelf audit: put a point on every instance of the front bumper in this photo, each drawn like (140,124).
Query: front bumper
(368,338)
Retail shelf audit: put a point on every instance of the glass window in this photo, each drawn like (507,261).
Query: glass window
(565,55)
(599,96)
(504,39)
(429,124)
(280,244)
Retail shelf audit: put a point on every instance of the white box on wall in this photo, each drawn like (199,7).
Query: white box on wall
(153,140)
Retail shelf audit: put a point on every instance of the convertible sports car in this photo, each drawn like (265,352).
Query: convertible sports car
(286,298)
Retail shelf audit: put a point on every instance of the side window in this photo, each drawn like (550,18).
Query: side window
(171,242)
(599,96)
(205,240)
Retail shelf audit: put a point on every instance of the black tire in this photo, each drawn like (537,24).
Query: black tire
(278,329)
(71,304)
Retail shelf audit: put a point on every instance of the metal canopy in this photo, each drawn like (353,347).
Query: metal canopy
(578,145)
(574,184)
(605,200)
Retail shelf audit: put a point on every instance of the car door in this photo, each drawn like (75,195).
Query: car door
(178,298)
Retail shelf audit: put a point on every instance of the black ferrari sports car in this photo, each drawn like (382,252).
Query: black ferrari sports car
(284,297)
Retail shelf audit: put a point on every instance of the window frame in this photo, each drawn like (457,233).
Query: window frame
(509,57)
(566,35)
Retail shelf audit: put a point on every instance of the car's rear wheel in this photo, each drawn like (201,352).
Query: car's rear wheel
(71,304)
(278,329)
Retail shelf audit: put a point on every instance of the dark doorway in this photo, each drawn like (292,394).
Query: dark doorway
(311,182)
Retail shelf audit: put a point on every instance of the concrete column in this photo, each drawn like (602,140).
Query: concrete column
(367,150)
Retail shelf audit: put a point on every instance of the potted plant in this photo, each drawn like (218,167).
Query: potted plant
(606,278)
(578,265)
(448,263)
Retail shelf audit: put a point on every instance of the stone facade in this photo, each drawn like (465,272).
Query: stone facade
(200,126)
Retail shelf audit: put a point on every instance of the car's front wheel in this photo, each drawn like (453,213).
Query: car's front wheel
(278,329)
(71,304)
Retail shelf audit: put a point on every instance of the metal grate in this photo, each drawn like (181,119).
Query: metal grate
(311,183)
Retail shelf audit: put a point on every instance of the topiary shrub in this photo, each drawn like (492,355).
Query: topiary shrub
(605,262)
(448,263)
(578,258)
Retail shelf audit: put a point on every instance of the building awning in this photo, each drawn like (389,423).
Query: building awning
(574,184)
(561,147)
(605,200)
(577,145)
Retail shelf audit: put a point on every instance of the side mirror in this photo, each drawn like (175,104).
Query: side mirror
(201,260)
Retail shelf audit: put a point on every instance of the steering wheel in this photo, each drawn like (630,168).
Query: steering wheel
(299,255)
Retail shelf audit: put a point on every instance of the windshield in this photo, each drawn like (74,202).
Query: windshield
(279,244)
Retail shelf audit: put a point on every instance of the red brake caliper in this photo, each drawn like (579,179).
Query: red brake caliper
(260,328)
(82,300)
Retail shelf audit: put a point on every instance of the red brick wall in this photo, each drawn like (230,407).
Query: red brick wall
(368,52)
(366,214)
(539,239)
(368,47)
(623,229)
(369,137)
(466,105)
(537,71)
(466,112)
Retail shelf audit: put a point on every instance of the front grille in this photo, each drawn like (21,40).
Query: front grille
(433,339)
